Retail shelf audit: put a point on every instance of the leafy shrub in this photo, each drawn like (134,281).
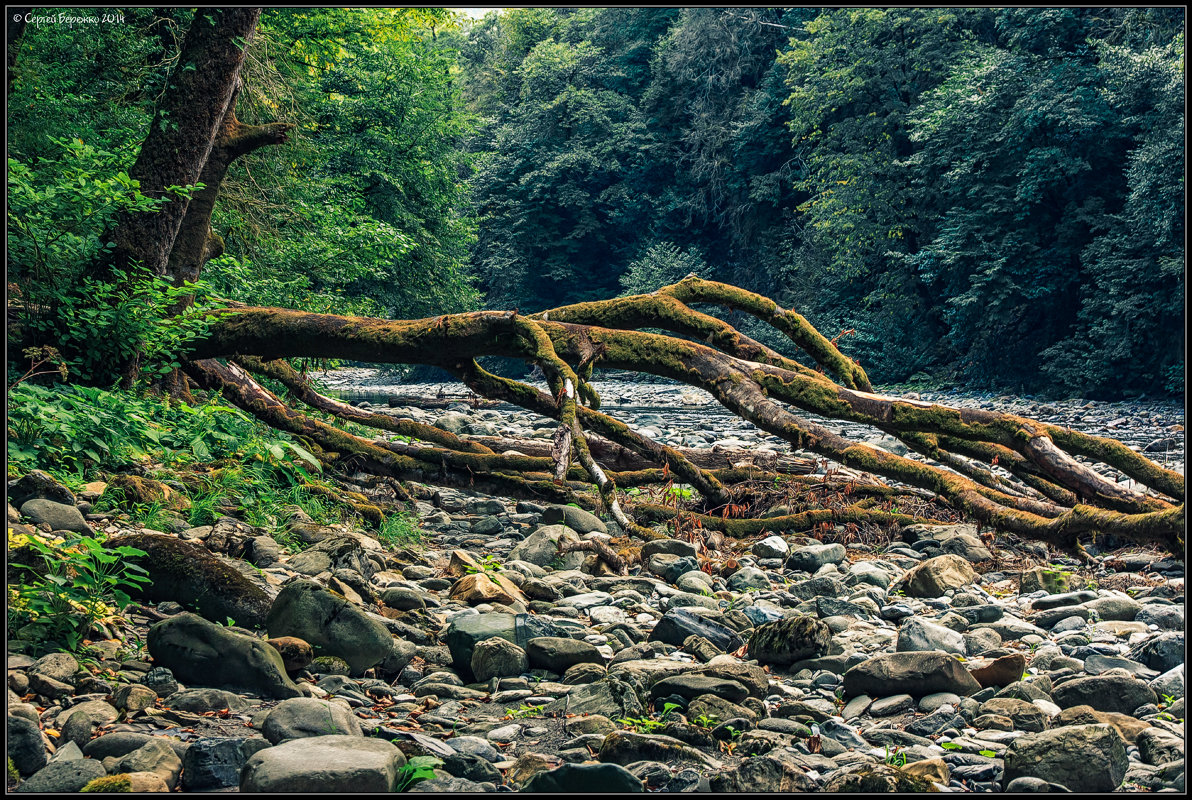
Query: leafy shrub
(83,583)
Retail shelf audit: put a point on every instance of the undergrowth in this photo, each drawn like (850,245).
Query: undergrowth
(218,460)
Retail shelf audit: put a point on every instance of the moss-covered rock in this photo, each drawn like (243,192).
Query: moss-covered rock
(135,490)
(109,783)
(785,641)
(189,574)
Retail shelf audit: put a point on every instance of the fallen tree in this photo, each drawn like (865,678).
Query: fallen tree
(1041,486)
(1007,472)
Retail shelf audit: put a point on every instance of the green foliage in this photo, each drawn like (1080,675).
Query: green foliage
(83,583)
(400,529)
(661,265)
(416,770)
(523,711)
(895,757)
(58,213)
(641,724)
(487,564)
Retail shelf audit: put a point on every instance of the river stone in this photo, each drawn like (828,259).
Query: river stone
(1169,683)
(584,778)
(675,547)
(59,666)
(577,519)
(64,776)
(324,765)
(331,625)
(917,635)
(199,701)
(79,722)
(201,653)
(557,653)
(305,717)
(498,658)
(1127,726)
(1169,618)
(25,745)
(155,756)
(1157,746)
(751,676)
(295,653)
(1082,758)
(1002,671)
(36,484)
(215,763)
(814,556)
(542,548)
(748,578)
(402,599)
(1162,653)
(935,576)
(59,516)
(612,697)
(968,547)
(690,687)
(771,547)
(336,552)
(1104,693)
(774,772)
(1065,599)
(626,747)
(1123,609)
(480,587)
(466,631)
(189,574)
(679,623)
(788,640)
(916,674)
(1025,715)
(872,778)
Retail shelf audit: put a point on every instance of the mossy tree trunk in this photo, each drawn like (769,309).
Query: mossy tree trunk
(1043,490)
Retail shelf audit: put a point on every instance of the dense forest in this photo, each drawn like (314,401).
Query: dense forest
(985,197)
(781,554)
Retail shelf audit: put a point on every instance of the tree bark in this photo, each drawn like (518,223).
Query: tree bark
(183,132)
(1063,499)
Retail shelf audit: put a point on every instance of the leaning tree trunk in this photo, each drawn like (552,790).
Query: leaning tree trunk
(1040,488)
(183,132)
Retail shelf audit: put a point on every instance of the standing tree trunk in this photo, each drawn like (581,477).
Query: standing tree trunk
(183,132)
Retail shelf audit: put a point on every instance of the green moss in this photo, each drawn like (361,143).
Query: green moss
(14,775)
(109,783)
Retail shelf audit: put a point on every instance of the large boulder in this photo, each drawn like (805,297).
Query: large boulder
(542,548)
(330,624)
(333,553)
(937,575)
(201,653)
(59,516)
(191,575)
(1081,758)
(324,765)
(577,519)
(785,641)
(917,674)
(304,717)
(1118,693)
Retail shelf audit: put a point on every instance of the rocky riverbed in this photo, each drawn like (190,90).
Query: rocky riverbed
(936,660)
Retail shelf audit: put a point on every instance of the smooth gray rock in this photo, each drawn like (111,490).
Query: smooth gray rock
(916,674)
(542,548)
(1082,758)
(331,625)
(498,658)
(916,635)
(584,778)
(202,653)
(59,516)
(464,632)
(64,776)
(324,765)
(577,519)
(25,745)
(1104,693)
(679,623)
(811,557)
(557,653)
(306,717)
